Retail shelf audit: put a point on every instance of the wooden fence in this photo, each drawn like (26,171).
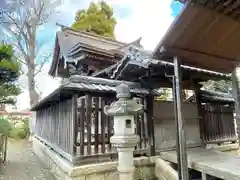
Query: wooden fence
(3,148)
(79,129)
(218,123)
(55,126)
(93,127)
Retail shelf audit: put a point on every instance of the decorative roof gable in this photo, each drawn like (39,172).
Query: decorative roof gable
(70,43)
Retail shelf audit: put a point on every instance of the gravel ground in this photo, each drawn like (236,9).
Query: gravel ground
(22,164)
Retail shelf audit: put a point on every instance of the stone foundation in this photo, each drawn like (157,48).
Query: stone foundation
(227,147)
(63,170)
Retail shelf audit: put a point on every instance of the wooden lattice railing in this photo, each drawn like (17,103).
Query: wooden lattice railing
(79,129)
(218,124)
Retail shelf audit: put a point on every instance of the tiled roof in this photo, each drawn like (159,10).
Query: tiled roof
(72,42)
(143,58)
(85,84)
(215,96)
(133,54)
(101,88)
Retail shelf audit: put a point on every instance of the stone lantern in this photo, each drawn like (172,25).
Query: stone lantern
(124,138)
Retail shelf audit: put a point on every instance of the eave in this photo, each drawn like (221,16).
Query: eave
(213,97)
(203,37)
(55,60)
(137,62)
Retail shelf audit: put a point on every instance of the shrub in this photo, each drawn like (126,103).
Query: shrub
(20,132)
(17,133)
(5,126)
(26,126)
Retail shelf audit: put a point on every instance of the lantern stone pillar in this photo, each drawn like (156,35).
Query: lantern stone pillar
(124,138)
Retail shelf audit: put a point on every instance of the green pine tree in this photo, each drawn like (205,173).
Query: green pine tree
(9,73)
(98,19)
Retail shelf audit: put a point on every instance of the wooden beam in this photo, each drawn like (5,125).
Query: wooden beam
(82,119)
(181,137)
(177,49)
(150,124)
(96,124)
(75,125)
(103,120)
(200,112)
(236,95)
(89,122)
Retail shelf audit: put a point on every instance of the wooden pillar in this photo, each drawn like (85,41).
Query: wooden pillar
(200,112)
(103,125)
(236,94)
(74,128)
(82,125)
(150,128)
(89,123)
(181,138)
(204,176)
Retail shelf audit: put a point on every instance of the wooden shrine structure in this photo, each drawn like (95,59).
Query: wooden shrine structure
(79,102)
(71,120)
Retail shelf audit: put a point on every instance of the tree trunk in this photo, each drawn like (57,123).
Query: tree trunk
(33,94)
(34,98)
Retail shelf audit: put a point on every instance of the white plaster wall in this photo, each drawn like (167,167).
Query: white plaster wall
(165,128)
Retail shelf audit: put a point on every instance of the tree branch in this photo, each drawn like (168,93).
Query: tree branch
(43,63)
(19,45)
(14,22)
(28,16)
(43,17)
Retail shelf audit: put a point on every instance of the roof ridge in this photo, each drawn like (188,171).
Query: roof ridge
(93,35)
(131,43)
(215,92)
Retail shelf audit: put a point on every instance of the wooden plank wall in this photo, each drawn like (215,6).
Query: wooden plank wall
(79,127)
(55,125)
(218,124)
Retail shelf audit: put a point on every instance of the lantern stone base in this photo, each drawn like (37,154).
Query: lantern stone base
(63,170)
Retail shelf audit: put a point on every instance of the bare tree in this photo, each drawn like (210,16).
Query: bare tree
(20,22)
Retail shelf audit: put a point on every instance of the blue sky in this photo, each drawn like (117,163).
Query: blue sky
(46,34)
(176,8)
(66,12)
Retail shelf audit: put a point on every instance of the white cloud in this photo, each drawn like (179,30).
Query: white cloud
(148,19)
(45,85)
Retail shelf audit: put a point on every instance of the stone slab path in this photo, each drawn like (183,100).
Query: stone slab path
(22,164)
